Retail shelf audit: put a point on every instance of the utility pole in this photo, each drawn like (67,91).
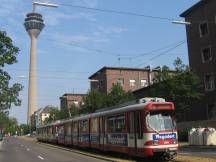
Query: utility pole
(34,24)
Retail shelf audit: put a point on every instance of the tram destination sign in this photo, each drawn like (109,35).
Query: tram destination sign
(164,136)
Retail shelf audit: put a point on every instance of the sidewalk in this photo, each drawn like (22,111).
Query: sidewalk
(186,146)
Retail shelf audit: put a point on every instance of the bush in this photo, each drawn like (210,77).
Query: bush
(183,135)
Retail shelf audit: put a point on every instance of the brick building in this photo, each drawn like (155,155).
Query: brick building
(201,38)
(129,78)
(69,99)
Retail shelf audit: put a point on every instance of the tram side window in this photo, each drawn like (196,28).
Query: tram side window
(111,124)
(68,129)
(131,121)
(94,125)
(120,123)
(84,126)
(116,123)
(74,127)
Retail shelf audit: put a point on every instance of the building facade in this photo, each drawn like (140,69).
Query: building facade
(201,38)
(69,99)
(129,78)
(39,116)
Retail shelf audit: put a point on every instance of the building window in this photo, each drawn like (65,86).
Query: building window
(206,54)
(203,28)
(132,82)
(143,83)
(75,102)
(120,81)
(209,82)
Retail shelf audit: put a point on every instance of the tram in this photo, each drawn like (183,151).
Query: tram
(146,128)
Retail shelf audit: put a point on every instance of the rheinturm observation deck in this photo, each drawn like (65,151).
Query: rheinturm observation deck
(33,24)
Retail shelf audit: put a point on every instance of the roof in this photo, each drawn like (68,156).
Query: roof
(121,68)
(194,7)
(73,94)
(47,109)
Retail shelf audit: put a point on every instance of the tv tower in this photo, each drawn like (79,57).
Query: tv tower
(34,24)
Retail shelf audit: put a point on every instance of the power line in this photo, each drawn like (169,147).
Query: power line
(156,50)
(113,53)
(117,12)
(163,53)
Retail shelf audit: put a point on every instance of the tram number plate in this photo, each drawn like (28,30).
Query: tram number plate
(164,136)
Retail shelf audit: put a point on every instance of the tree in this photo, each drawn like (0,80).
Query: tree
(93,101)
(96,100)
(118,96)
(8,53)
(56,114)
(181,86)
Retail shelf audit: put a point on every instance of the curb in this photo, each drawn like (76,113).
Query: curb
(198,148)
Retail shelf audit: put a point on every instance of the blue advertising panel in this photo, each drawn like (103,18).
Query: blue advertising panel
(95,138)
(117,139)
(84,137)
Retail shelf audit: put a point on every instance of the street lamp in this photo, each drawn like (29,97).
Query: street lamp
(43,4)
(181,22)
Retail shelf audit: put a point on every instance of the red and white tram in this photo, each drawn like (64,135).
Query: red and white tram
(147,128)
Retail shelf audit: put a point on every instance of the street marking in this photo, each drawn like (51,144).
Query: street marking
(28,149)
(22,145)
(40,157)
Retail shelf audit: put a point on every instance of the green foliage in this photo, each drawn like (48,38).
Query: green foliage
(96,100)
(93,101)
(183,135)
(74,111)
(182,87)
(8,53)
(24,129)
(56,114)
(117,96)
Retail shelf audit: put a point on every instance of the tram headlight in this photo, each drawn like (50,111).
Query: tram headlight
(153,142)
(175,141)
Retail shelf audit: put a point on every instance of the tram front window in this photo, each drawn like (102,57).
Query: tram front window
(161,121)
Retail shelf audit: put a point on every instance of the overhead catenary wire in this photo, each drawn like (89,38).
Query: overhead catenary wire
(115,54)
(163,53)
(117,12)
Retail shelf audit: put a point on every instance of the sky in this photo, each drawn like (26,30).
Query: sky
(77,42)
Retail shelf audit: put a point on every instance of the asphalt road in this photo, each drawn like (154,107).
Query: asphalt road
(18,150)
(198,153)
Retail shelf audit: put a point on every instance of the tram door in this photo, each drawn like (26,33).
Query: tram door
(101,132)
(135,131)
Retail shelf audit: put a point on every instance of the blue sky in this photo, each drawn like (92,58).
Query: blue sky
(65,68)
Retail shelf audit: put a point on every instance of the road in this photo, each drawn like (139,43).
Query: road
(18,150)
(22,150)
(199,153)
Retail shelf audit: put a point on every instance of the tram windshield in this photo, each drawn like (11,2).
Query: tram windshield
(161,121)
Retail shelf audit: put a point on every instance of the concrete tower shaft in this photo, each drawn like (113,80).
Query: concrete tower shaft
(33,25)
